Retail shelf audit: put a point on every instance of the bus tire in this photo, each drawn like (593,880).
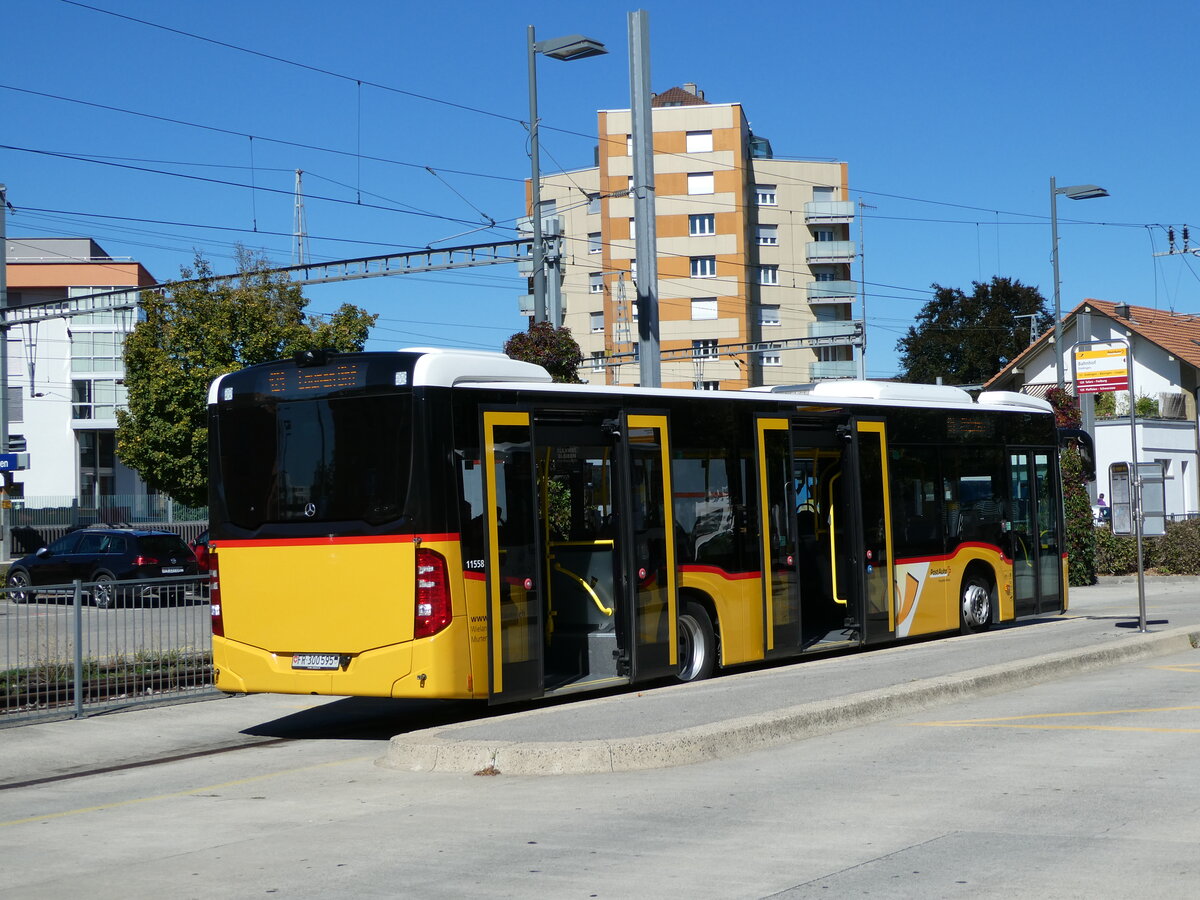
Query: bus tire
(697,644)
(975,606)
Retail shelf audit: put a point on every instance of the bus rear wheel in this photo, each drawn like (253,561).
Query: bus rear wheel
(697,644)
(976,604)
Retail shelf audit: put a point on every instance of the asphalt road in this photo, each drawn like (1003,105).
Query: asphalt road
(1076,786)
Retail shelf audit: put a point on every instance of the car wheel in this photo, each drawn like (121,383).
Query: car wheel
(104,593)
(697,644)
(976,604)
(18,583)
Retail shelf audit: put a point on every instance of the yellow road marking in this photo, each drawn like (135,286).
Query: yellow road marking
(190,791)
(1193,668)
(1027,721)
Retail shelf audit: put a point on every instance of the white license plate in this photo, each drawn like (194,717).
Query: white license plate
(172,570)
(324,661)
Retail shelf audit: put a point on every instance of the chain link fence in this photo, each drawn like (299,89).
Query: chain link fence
(75,649)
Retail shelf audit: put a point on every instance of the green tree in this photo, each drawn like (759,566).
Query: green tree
(962,337)
(554,349)
(195,331)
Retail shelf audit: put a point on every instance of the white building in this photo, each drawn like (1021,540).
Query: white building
(66,374)
(1165,349)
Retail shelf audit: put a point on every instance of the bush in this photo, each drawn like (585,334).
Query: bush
(1115,554)
(1178,551)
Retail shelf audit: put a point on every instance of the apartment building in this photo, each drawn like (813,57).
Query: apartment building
(66,374)
(750,248)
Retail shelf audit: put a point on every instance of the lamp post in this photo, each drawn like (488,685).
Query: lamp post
(1071,192)
(574,46)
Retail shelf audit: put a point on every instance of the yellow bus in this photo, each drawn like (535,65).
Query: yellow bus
(452,524)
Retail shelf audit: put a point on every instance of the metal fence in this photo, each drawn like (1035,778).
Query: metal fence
(78,648)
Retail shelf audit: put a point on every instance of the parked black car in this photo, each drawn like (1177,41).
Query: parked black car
(101,556)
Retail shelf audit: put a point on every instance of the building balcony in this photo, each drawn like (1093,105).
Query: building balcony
(842,368)
(822,211)
(847,328)
(832,291)
(830,251)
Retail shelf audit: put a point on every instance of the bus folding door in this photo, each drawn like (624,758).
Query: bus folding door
(649,539)
(513,559)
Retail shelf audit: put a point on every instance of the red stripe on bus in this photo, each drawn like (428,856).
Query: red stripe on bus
(945,557)
(334,539)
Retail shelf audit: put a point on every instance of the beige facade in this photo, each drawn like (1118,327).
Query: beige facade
(749,249)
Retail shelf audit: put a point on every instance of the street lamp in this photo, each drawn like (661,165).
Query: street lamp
(574,46)
(1071,192)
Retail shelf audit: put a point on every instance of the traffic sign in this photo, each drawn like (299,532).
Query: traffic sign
(12,462)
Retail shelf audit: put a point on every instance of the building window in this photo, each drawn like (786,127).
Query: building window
(97,351)
(699,142)
(704,308)
(768,235)
(704,266)
(595,245)
(16,408)
(823,234)
(596,283)
(764,194)
(629,146)
(633,271)
(597,322)
(768,274)
(705,223)
(632,228)
(593,203)
(597,360)
(97,459)
(710,385)
(772,359)
(768,315)
(97,399)
(700,182)
(630,185)
(705,349)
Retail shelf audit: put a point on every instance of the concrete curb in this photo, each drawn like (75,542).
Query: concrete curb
(436,749)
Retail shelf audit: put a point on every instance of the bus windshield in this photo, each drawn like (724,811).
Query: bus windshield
(320,460)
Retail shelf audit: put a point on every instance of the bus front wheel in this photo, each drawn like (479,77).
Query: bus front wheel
(697,644)
(976,604)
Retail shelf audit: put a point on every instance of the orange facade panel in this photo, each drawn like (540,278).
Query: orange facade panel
(93,274)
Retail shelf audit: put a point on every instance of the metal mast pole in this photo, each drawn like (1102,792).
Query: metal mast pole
(539,262)
(5,541)
(1058,357)
(646,238)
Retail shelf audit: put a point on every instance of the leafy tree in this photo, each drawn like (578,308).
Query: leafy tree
(554,349)
(196,331)
(962,337)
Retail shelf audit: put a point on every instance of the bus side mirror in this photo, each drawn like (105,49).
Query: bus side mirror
(1081,441)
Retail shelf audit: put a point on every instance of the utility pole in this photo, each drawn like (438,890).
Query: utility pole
(646,237)
(862,288)
(300,250)
(5,502)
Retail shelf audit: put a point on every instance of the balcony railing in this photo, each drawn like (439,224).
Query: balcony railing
(842,368)
(830,251)
(826,329)
(830,291)
(828,211)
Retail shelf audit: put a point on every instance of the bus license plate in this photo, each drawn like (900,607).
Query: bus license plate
(324,661)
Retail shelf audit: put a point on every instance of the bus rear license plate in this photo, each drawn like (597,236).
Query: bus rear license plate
(323,661)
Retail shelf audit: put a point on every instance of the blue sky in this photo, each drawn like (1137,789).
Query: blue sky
(952,117)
